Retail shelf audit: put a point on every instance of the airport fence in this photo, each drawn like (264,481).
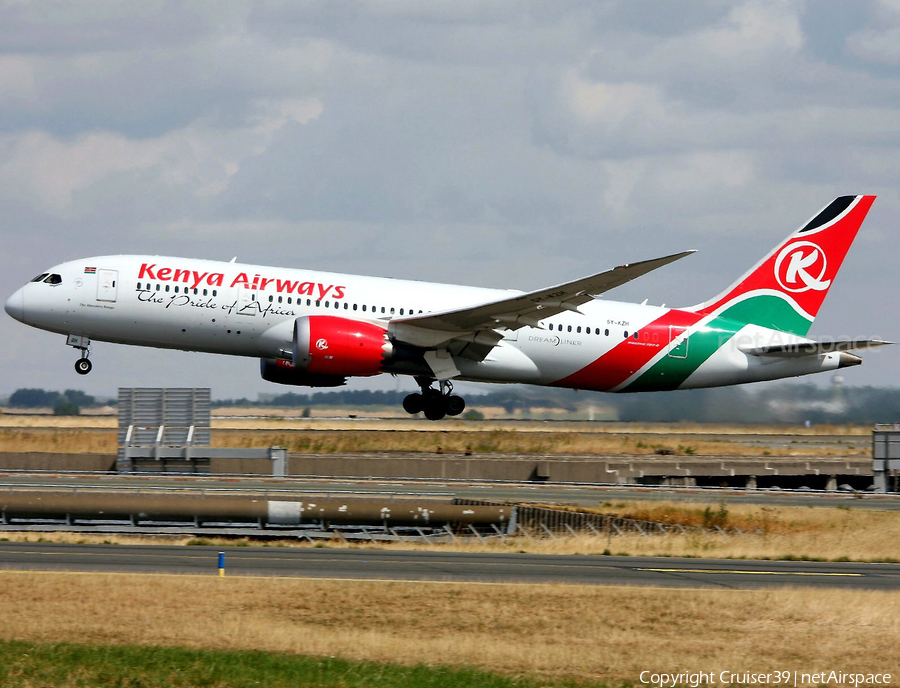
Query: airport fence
(537,521)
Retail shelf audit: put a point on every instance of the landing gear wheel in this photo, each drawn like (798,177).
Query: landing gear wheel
(83,366)
(454,405)
(434,409)
(413,403)
(436,403)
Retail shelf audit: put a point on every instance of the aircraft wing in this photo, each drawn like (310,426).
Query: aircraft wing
(477,325)
(530,308)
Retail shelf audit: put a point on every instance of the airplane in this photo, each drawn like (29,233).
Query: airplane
(317,329)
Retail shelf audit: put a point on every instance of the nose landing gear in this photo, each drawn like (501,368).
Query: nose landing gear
(435,403)
(83,365)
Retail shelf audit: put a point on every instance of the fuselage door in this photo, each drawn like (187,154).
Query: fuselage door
(677,349)
(247,301)
(107,285)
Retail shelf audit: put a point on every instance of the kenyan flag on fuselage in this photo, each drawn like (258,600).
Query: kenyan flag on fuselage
(783,292)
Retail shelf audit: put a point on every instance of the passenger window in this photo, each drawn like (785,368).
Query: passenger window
(158,287)
(167,287)
(327,304)
(401,311)
(626,334)
(606,332)
(204,292)
(636,335)
(578,329)
(290,301)
(176,289)
(214,292)
(354,306)
(346,306)
(597,332)
(279,299)
(364,308)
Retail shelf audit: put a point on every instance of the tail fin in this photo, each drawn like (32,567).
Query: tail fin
(785,290)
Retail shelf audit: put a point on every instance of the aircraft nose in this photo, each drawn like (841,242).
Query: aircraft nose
(16,305)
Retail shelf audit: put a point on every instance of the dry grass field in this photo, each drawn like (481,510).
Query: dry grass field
(97,434)
(69,440)
(274,419)
(580,632)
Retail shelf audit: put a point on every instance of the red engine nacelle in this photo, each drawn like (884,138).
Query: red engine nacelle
(330,345)
(284,373)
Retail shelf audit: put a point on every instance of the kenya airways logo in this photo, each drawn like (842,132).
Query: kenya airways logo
(194,279)
(801,266)
(322,344)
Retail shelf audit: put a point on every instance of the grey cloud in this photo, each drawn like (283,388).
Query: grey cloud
(498,143)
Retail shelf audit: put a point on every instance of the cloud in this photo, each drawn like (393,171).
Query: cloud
(50,172)
(512,143)
(753,31)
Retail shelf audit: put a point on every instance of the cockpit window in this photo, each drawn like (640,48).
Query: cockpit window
(54,279)
(40,278)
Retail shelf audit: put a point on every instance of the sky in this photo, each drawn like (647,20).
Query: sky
(499,143)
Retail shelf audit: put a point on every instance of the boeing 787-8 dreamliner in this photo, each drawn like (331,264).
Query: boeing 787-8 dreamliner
(317,329)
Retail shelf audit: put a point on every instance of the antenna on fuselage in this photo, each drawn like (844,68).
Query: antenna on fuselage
(233,259)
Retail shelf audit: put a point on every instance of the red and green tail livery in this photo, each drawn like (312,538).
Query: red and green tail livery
(754,330)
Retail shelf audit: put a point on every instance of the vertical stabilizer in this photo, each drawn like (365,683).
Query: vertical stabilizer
(785,290)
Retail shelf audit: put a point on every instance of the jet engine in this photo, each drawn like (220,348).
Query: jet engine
(335,346)
(284,373)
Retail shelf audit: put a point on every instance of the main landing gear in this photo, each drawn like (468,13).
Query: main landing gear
(435,403)
(83,365)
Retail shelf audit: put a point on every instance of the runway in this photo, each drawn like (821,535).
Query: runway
(343,564)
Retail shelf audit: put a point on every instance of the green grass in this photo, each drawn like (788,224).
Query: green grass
(24,664)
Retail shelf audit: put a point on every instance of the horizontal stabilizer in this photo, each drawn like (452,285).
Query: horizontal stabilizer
(815,348)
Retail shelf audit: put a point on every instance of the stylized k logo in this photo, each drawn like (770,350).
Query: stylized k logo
(322,344)
(800,267)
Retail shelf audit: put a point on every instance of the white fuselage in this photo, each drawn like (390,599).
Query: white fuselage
(250,310)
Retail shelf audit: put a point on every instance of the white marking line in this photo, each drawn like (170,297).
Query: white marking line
(754,573)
